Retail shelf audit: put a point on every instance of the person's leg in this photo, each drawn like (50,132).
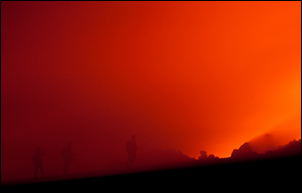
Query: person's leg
(65,168)
(36,171)
(42,171)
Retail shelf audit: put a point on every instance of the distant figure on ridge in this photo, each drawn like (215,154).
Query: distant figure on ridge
(67,156)
(38,161)
(131,148)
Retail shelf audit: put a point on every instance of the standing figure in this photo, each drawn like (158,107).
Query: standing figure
(38,161)
(67,156)
(131,149)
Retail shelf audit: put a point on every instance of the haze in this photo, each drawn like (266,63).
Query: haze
(185,75)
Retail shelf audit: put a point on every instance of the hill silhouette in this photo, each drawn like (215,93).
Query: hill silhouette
(268,172)
(171,161)
(291,149)
(162,159)
(245,152)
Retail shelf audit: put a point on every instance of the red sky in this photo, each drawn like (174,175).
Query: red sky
(186,75)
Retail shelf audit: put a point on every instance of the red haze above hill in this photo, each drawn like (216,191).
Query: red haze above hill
(184,75)
(277,136)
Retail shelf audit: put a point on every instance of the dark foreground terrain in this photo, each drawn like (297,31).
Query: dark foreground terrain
(266,173)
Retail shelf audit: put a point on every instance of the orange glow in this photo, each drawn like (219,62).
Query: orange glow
(186,75)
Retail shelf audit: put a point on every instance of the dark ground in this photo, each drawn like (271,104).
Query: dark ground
(268,174)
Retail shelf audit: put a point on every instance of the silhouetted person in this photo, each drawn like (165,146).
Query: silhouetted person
(67,156)
(38,161)
(131,148)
